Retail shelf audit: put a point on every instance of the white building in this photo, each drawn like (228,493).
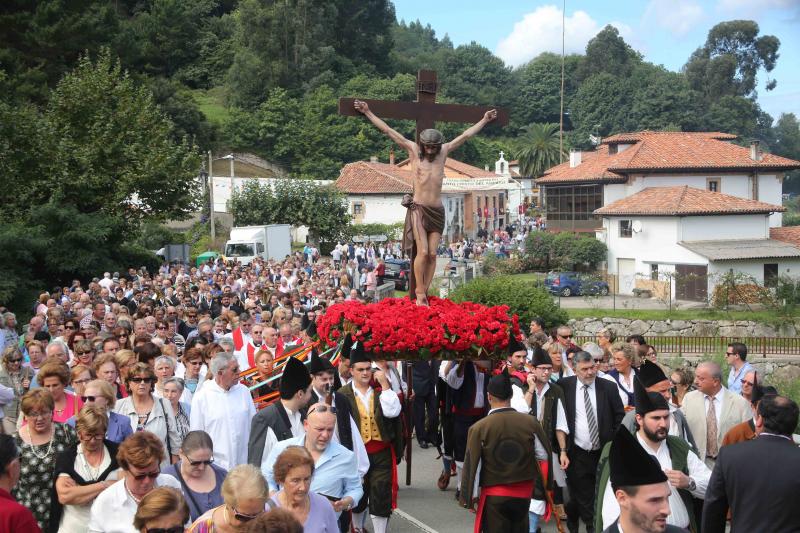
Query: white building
(663,234)
(677,210)
(473,198)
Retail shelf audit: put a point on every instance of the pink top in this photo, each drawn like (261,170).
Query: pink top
(72,406)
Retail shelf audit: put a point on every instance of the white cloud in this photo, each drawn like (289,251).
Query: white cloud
(540,31)
(755,5)
(677,16)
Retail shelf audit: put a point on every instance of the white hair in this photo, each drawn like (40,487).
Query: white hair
(220,361)
(165,359)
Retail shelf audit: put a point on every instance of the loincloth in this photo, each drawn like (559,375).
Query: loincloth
(432,221)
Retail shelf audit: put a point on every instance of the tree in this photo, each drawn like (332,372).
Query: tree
(540,149)
(105,129)
(607,52)
(537,88)
(787,144)
(728,63)
(292,201)
(600,107)
(471,74)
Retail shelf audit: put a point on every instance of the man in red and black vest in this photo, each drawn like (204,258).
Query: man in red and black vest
(467,384)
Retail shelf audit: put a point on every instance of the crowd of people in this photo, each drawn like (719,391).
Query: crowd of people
(151,402)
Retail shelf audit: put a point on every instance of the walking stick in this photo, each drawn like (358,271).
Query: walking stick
(409,381)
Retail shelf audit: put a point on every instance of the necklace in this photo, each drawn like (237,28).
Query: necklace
(94,473)
(33,446)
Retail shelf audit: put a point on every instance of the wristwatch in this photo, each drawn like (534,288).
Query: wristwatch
(692,485)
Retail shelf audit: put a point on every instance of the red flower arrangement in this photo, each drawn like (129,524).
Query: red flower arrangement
(397,328)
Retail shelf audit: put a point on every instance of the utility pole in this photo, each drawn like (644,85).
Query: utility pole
(211,196)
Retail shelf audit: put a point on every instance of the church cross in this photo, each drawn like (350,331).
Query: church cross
(425,111)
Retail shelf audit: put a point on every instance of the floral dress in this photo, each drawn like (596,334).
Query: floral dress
(37,466)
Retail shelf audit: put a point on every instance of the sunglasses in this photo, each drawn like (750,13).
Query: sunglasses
(747,383)
(162,327)
(69,327)
(241,517)
(141,380)
(15,360)
(565,336)
(173,529)
(83,353)
(322,409)
(151,475)
(206,462)
(85,399)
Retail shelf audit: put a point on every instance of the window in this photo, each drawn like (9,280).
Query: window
(260,248)
(771,274)
(654,271)
(626,229)
(358,208)
(712,184)
(573,202)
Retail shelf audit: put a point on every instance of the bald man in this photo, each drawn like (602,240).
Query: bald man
(335,467)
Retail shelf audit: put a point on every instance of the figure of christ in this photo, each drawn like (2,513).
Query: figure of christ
(424,222)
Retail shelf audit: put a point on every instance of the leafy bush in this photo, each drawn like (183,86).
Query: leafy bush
(524,298)
(493,265)
(565,250)
(392,231)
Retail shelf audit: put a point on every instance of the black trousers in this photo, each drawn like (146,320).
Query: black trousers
(581,481)
(377,485)
(422,405)
(461,425)
(502,514)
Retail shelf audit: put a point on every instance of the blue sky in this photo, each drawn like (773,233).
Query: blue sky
(666,32)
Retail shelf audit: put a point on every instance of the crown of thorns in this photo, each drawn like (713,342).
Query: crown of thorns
(431,136)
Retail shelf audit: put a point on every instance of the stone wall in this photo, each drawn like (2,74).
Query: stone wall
(687,328)
(775,370)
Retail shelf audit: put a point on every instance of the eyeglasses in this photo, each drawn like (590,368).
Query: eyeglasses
(206,462)
(151,475)
(82,382)
(173,529)
(198,363)
(46,414)
(85,399)
(92,437)
(241,517)
(141,380)
(322,409)
(747,383)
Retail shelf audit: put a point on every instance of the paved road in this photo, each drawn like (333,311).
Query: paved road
(423,507)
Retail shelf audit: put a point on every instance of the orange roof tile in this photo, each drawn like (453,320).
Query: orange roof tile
(684,201)
(663,152)
(366,177)
(788,234)
(457,169)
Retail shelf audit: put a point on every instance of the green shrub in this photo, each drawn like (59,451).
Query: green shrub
(493,265)
(524,298)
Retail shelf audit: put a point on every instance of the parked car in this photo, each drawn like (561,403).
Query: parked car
(398,271)
(574,284)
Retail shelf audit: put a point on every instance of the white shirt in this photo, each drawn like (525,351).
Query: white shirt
(75,517)
(679,515)
(225,416)
(582,436)
(455,381)
(295,425)
(113,509)
(718,397)
(561,415)
(390,403)
(160,421)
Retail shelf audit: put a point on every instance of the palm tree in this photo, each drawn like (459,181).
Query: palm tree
(539,149)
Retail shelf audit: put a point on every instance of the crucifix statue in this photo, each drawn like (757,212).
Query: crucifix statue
(424,222)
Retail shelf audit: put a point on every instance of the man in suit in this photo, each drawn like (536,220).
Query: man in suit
(594,412)
(757,480)
(425,374)
(505,445)
(640,488)
(709,425)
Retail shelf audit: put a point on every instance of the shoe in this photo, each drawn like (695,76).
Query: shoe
(458,495)
(424,445)
(444,480)
(560,512)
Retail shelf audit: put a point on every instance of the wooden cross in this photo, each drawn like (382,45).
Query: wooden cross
(425,111)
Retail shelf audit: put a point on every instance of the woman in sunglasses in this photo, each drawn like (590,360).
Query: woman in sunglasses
(83,471)
(163,510)
(148,413)
(17,377)
(244,493)
(139,457)
(40,441)
(100,394)
(201,480)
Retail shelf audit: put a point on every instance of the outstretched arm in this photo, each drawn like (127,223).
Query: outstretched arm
(401,141)
(471,131)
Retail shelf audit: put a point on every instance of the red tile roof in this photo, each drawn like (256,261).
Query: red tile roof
(366,177)
(788,234)
(664,152)
(684,201)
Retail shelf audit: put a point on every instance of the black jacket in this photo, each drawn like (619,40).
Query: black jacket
(609,407)
(424,377)
(758,481)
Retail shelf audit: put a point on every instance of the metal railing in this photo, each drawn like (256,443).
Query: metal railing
(756,346)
